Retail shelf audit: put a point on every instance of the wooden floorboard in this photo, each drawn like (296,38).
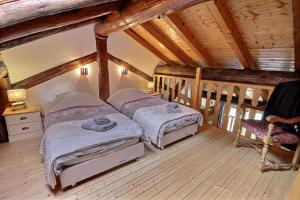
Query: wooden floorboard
(206,166)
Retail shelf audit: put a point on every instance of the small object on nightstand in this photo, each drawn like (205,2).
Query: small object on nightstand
(16,98)
(23,123)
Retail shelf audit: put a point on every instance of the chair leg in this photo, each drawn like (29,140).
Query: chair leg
(296,158)
(237,143)
(264,155)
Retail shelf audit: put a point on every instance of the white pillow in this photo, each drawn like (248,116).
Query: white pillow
(124,95)
(71,99)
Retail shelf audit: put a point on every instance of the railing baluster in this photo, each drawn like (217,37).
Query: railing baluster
(227,106)
(207,103)
(173,88)
(241,100)
(199,98)
(255,98)
(157,84)
(186,87)
(168,88)
(179,90)
(217,103)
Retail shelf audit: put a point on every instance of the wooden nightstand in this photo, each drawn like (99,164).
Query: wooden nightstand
(24,123)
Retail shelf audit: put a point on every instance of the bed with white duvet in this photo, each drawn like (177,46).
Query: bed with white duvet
(73,153)
(150,112)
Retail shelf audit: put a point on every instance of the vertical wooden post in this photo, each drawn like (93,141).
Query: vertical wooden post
(296,23)
(103,73)
(196,88)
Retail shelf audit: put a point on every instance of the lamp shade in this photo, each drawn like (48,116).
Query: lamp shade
(16,95)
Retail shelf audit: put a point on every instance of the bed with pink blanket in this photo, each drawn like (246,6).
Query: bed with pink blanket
(159,126)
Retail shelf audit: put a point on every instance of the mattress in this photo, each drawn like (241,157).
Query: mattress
(92,153)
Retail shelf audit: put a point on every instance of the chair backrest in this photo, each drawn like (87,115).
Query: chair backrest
(285,102)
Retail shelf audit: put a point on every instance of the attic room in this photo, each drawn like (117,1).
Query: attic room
(149,99)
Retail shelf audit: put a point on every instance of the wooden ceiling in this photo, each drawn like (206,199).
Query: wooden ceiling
(252,34)
(249,34)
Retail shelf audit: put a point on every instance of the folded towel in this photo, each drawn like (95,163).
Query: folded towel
(101,120)
(173,108)
(91,125)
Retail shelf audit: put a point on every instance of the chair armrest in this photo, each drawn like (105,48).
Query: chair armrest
(274,119)
(260,108)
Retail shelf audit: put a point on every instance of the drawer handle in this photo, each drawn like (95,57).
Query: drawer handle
(23,118)
(25,128)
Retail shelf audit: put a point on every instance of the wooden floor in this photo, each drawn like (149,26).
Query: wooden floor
(206,166)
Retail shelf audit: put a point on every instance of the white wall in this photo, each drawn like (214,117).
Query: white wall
(37,56)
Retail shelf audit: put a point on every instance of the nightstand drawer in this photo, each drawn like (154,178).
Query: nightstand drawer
(14,138)
(23,118)
(24,128)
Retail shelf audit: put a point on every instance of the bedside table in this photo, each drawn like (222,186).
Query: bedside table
(24,123)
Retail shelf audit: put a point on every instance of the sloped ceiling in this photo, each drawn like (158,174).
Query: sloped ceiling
(266,28)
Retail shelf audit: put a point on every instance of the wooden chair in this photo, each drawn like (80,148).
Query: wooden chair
(279,124)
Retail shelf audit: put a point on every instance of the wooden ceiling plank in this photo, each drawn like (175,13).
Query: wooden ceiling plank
(176,23)
(152,29)
(223,17)
(130,32)
(296,24)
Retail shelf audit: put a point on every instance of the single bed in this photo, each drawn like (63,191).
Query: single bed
(159,126)
(73,154)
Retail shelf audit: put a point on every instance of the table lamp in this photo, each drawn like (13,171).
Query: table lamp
(150,87)
(16,98)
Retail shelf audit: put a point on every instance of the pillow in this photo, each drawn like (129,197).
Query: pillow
(71,99)
(124,95)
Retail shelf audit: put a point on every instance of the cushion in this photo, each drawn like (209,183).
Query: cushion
(260,129)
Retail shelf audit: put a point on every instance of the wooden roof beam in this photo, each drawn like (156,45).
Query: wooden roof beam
(10,35)
(141,11)
(223,17)
(176,23)
(151,28)
(296,21)
(130,32)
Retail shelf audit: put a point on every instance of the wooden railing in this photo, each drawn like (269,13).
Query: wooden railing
(170,86)
(218,101)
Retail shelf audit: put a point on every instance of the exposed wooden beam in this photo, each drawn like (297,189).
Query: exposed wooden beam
(258,77)
(103,73)
(296,21)
(148,46)
(141,11)
(54,72)
(129,67)
(223,17)
(55,21)
(35,36)
(151,28)
(69,66)
(17,11)
(176,23)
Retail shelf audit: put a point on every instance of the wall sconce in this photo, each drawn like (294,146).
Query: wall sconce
(84,71)
(124,71)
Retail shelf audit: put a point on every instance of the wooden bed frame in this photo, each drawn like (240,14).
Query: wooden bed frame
(178,134)
(87,169)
